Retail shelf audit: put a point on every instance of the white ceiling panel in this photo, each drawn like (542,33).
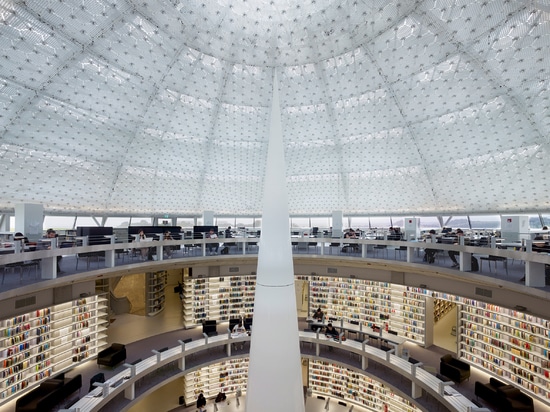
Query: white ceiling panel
(139,108)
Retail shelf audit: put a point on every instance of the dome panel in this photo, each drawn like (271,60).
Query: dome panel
(165,106)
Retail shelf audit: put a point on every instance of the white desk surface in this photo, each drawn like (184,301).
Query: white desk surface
(390,337)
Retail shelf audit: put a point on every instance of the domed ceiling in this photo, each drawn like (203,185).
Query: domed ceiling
(162,107)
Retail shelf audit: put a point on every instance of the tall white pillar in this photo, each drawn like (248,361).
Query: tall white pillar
(208,218)
(514,228)
(274,372)
(337,223)
(28,220)
(412,228)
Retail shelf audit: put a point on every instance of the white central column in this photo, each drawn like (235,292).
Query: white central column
(274,373)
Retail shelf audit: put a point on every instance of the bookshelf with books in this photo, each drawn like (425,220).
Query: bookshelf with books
(195,301)
(155,290)
(334,380)
(373,303)
(242,290)
(47,341)
(351,299)
(227,376)
(510,344)
(409,308)
(217,298)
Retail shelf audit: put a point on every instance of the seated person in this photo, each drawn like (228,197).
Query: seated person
(318,316)
(51,234)
(142,238)
(220,397)
(331,332)
(539,245)
(228,233)
(239,328)
(168,249)
(20,236)
(453,253)
(350,234)
(430,253)
(210,246)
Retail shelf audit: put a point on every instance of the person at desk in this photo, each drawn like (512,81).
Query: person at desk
(168,249)
(239,330)
(201,402)
(453,253)
(539,245)
(20,236)
(350,234)
(228,233)
(318,316)
(429,254)
(142,238)
(51,234)
(331,332)
(215,246)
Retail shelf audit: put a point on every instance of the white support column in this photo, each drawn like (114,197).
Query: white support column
(364,359)
(28,220)
(535,274)
(181,362)
(48,265)
(208,218)
(130,392)
(337,223)
(274,372)
(160,248)
(416,390)
(317,346)
(110,254)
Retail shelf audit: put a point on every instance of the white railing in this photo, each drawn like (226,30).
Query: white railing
(361,248)
(125,381)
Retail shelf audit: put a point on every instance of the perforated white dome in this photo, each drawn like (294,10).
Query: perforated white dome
(132,107)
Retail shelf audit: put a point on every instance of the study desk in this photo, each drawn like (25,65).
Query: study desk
(395,340)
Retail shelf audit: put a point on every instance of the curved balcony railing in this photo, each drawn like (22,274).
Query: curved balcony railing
(15,262)
(421,381)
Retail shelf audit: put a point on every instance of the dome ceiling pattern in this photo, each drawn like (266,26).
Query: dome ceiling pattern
(127,107)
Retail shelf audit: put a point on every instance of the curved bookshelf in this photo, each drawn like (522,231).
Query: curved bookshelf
(47,341)
(156,292)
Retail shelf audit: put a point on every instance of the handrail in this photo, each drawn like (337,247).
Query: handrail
(41,254)
(534,261)
(125,380)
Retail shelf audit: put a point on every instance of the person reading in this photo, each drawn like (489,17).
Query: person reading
(212,235)
(331,332)
(239,330)
(318,317)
